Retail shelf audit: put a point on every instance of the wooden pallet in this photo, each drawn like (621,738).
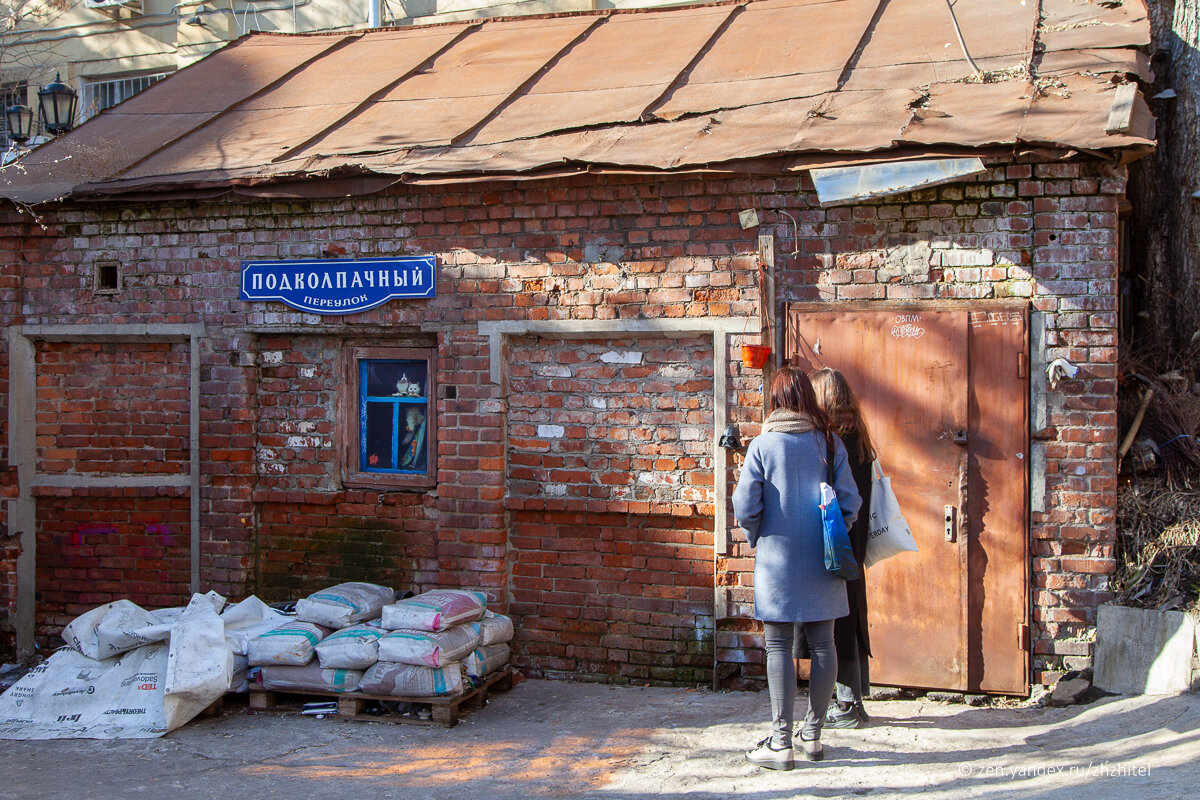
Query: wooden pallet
(444,711)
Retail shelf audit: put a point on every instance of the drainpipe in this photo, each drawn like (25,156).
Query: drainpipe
(374,12)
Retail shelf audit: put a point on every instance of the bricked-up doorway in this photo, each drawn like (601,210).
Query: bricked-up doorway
(104,434)
(944,391)
(609,489)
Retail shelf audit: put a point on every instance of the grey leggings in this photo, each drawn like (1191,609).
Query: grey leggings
(781,677)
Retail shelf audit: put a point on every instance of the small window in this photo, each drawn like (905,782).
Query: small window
(107,278)
(389,396)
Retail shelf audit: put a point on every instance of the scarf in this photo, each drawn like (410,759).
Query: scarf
(784,420)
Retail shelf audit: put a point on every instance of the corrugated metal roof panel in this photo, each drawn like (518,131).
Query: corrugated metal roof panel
(922,32)
(582,89)
(773,50)
(689,88)
(460,89)
(285,116)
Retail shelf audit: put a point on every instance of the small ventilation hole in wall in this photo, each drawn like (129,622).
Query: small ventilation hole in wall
(108,278)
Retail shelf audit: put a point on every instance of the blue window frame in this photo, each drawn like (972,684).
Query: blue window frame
(390,424)
(393,417)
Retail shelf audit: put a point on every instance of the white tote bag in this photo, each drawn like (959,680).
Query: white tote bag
(888,532)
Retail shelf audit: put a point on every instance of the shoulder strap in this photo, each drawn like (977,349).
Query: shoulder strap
(829,460)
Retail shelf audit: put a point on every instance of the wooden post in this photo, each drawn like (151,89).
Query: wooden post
(766,310)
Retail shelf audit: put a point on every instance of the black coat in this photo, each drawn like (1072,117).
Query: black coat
(854,624)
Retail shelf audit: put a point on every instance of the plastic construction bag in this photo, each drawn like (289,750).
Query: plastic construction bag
(249,619)
(356,647)
(310,677)
(344,604)
(291,645)
(114,628)
(138,694)
(430,648)
(199,661)
(408,680)
(435,610)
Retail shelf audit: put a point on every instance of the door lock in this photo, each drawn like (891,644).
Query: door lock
(951,523)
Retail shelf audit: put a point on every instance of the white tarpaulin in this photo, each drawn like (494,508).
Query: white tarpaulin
(141,693)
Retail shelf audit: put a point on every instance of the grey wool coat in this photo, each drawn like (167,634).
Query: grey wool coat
(777,504)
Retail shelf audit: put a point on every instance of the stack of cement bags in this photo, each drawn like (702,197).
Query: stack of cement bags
(434,639)
(352,637)
(290,656)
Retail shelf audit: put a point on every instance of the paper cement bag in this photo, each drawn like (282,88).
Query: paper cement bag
(435,610)
(290,645)
(428,648)
(344,604)
(310,677)
(486,660)
(496,629)
(408,680)
(356,647)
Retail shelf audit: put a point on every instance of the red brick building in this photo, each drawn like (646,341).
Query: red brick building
(552,437)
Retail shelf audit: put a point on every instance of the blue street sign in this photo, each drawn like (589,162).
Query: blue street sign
(339,286)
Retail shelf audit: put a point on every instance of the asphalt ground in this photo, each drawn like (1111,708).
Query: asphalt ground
(553,739)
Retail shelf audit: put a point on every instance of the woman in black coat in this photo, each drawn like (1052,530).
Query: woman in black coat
(850,635)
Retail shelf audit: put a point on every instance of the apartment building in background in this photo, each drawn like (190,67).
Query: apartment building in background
(109,50)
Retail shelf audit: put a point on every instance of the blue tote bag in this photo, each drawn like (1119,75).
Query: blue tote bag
(839,556)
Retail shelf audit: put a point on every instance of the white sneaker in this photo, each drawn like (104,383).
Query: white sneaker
(764,755)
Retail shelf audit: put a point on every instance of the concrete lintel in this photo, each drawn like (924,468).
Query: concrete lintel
(113,333)
(110,481)
(590,328)
(567,328)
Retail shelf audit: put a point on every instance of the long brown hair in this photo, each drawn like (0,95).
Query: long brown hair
(837,399)
(791,389)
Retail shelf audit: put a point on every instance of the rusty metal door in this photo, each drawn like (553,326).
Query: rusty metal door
(939,618)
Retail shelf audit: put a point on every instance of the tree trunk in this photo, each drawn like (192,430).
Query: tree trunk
(1163,290)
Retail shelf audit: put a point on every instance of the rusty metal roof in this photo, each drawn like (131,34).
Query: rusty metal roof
(749,85)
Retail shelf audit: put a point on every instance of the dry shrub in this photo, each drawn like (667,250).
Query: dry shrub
(1158,547)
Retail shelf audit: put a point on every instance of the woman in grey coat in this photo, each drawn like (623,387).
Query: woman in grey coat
(777,503)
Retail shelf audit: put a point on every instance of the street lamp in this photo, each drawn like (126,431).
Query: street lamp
(57,100)
(20,122)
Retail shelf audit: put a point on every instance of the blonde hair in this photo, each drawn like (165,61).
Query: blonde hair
(837,399)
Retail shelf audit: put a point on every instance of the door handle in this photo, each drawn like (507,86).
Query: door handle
(951,518)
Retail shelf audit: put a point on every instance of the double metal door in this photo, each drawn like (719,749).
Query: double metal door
(944,393)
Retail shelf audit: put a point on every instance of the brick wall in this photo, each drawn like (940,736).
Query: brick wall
(621,597)
(96,546)
(112,408)
(617,425)
(587,248)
